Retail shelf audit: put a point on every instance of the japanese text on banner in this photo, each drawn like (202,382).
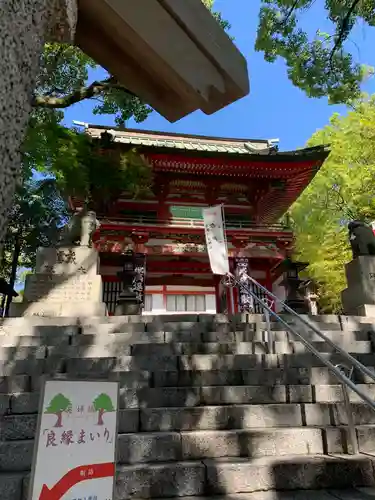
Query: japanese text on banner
(215,239)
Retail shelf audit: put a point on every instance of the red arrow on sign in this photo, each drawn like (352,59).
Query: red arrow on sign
(75,476)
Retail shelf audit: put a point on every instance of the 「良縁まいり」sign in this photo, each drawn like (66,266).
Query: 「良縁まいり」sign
(74,454)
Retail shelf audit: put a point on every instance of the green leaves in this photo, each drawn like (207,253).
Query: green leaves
(58,404)
(320,66)
(342,190)
(34,219)
(117,102)
(103,402)
(85,169)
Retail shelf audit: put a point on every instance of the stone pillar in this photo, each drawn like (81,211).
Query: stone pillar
(358,298)
(66,283)
(24,27)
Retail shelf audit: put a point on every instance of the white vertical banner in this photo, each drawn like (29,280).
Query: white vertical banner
(215,239)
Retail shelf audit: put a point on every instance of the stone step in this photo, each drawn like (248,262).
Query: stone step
(102,364)
(19,427)
(27,383)
(288,473)
(23,427)
(38,327)
(15,487)
(186,378)
(201,396)
(250,416)
(366,438)
(347,494)
(252,443)
(13,354)
(227,395)
(266,376)
(102,347)
(247,334)
(33,341)
(151,447)
(136,448)
(223,477)
(12,486)
(232,474)
(200,362)
(345,322)
(134,334)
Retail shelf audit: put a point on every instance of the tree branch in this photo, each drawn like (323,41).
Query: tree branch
(291,10)
(93,90)
(343,29)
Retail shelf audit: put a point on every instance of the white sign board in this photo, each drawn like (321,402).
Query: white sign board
(74,456)
(215,239)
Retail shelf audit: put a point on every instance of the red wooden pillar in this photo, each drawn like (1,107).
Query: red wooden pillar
(161,191)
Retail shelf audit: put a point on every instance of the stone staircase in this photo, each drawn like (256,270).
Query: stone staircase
(205,409)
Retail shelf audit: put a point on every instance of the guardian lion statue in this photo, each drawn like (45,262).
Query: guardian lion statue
(80,229)
(361,238)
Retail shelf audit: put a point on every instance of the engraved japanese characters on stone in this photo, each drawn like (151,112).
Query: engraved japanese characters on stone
(73,289)
(49,271)
(66,257)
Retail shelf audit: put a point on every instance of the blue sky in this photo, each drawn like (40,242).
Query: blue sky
(274,108)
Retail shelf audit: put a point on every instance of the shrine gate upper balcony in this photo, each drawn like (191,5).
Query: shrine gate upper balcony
(196,226)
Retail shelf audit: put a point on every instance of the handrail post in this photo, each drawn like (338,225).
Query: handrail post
(353,448)
(270,340)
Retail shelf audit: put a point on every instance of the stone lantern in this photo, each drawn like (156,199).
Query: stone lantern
(132,276)
(295,287)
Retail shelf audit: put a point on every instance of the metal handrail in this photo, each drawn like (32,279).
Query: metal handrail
(348,408)
(231,281)
(350,358)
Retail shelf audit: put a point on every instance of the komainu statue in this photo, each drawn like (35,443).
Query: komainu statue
(361,238)
(80,229)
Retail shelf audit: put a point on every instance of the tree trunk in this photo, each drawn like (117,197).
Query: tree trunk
(59,419)
(24,27)
(100,417)
(13,274)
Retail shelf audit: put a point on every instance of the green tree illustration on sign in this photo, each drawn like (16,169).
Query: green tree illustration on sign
(102,404)
(57,406)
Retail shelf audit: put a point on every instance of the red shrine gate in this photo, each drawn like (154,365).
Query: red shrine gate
(255,183)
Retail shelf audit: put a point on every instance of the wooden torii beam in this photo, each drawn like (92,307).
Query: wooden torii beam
(171,53)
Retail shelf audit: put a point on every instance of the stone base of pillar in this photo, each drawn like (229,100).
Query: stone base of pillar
(358,299)
(127,305)
(298,305)
(66,283)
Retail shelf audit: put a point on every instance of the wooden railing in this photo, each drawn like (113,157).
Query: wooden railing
(142,220)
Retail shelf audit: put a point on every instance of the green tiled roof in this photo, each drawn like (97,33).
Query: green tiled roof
(185,142)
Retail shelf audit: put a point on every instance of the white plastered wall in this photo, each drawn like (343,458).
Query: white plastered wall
(158,306)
